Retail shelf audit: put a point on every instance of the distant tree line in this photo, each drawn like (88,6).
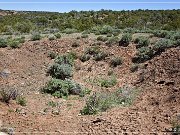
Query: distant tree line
(26,22)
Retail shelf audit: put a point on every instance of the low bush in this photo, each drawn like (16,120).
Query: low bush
(85,57)
(141,42)
(84,92)
(102,38)
(115,62)
(62,88)
(106,29)
(3,43)
(92,50)
(61,71)
(100,102)
(69,31)
(14,43)
(35,36)
(100,56)
(112,40)
(143,54)
(110,82)
(8,94)
(162,44)
(125,40)
(21,101)
(65,59)
(75,44)
(160,33)
(51,37)
(57,35)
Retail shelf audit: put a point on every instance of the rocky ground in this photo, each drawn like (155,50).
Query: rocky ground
(153,112)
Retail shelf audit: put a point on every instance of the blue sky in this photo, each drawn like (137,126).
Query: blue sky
(66,7)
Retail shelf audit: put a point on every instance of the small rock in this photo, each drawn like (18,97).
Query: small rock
(55,112)
(5,73)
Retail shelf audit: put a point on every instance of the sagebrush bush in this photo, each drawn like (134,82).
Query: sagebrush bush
(65,59)
(35,36)
(61,71)
(125,40)
(141,42)
(100,56)
(57,35)
(100,102)
(92,50)
(110,82)
(14,43)
(21,101)
(106,29)
(112,40)
(162,44)
(160,33)
(8,94)
(85,57)
(70,31)
(102,38)
(51,37)
(143,54)
(60,88)
(3,43)
(115,62)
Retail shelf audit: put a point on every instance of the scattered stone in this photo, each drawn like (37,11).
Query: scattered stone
(5,73)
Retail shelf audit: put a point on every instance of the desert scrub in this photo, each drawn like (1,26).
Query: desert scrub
(69,31)
(125,40)
(141,42)
(116,61)
(51,37)
(110,82)
(14,43)
(57,35)
(63,67)
(3,43)
(112,40)
(143,54)
(162,44)
(100,102)
(62,88)
(21,101)
(35,36)
(100,56)
(102,38)
(84,91)
(92,50)
(85,57)
(8,94)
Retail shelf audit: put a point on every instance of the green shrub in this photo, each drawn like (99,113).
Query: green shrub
(57,35)
(93,50)
(106,29)
(100,102)
(72,55)
(51,37)
(141,42)
(110,82)
(161,33)
(35,36)
(61,71)
(23,27)
(62,88)
(115,62)
(84,92)
(65,59)
(109,35)
(70,31)
(100,56)
(85,57)
(20,39)
(3,43)
(143,54)
(125,40)
(84,36)
(102,38)
(162,44)
(175,36)
(86,32)
(21,101)
(14,43)
(112,40)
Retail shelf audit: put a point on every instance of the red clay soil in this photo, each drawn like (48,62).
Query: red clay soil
(154,110)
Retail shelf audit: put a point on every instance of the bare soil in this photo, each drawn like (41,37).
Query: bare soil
(153,111)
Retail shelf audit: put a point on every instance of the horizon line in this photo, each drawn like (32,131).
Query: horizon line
(90,2)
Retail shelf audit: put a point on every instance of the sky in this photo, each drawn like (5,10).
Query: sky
(78,5)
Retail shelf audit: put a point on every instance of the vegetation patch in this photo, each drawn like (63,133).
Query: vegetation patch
(125,40)
(100,102)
